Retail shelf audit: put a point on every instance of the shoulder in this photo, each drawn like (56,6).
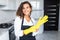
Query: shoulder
(32,19)
(17,18)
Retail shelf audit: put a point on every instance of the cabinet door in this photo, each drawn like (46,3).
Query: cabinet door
(51,9)
(4,35)
(3,2)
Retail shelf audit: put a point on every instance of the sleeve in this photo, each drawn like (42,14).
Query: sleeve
(17,27)
(34,33)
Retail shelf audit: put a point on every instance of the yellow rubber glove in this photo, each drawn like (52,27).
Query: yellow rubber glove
(39,23)
(32,29)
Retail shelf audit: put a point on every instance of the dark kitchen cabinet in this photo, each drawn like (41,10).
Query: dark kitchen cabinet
(12,34)
(51,8)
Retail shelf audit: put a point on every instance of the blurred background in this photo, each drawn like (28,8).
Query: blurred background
(47,31)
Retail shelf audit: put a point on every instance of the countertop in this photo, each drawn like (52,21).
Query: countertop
(3,30)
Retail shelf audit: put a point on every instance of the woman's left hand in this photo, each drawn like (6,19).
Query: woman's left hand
(36,30)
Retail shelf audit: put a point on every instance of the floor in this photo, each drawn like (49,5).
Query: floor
(49,35)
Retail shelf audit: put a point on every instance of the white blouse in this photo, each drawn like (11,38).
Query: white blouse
(17,26)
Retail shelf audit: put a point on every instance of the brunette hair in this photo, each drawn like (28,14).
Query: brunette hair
(19,11)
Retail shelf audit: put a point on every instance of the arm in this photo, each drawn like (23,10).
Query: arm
(17,27)
(35,27)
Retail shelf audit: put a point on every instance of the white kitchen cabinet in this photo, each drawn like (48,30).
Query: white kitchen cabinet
(4,34)
(3,2)
(11,5)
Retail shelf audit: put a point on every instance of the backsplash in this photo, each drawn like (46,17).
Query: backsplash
(6,16)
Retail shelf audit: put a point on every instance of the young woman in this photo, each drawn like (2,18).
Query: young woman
(24,21)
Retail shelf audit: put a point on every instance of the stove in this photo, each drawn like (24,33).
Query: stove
(5,25)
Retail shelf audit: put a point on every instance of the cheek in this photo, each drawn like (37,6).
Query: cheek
(23,11)
(26,10)
(29,10)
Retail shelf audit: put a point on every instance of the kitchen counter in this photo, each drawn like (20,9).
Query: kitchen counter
(4,33)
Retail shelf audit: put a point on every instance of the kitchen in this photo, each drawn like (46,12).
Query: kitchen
(8,13)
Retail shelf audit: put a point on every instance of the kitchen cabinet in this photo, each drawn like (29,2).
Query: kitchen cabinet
(3,3)
(4,34)
(12,33)
(11,5)
(7,33)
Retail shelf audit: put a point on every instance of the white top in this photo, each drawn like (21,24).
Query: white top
(17,26)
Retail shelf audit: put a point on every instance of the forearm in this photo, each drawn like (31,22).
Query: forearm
(35,27)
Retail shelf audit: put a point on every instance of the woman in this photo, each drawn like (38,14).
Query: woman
(24,21)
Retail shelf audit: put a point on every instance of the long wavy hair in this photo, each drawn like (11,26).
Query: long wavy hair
(20,8)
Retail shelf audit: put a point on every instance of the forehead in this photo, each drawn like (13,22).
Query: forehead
(26,5)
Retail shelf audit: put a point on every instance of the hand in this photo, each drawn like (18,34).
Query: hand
(36,30)
(35,27)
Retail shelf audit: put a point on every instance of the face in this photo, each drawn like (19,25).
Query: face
(26,9)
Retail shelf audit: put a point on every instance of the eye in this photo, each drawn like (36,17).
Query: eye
(23,8)
(27,7)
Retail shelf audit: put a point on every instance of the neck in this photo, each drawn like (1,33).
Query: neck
(27,18)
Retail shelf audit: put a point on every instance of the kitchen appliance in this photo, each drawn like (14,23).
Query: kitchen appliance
(5,25)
